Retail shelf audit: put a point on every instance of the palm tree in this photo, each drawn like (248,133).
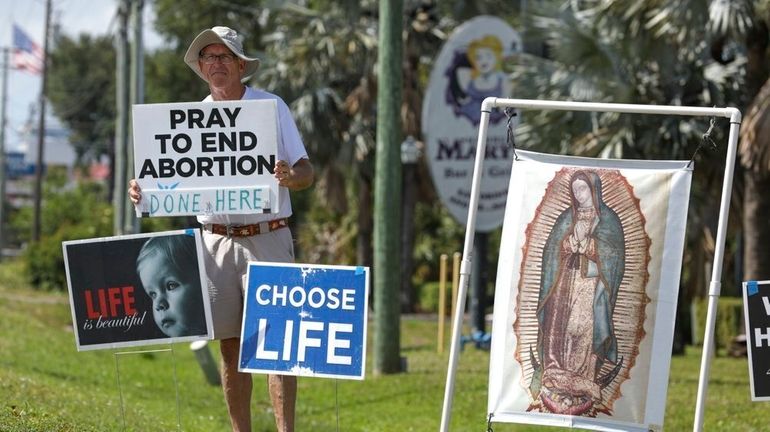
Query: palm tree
(625,51)
(743,26)
(322,59)
(755,160)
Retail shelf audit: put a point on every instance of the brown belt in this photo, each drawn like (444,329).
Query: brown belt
(247,230)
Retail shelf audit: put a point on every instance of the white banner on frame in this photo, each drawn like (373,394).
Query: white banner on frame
(584,305)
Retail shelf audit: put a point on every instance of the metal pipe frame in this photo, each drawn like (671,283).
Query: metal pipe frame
(714,287)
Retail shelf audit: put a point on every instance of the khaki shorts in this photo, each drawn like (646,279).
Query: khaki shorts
(226,263)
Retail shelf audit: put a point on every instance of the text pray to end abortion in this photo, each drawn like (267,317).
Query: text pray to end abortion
(214,143)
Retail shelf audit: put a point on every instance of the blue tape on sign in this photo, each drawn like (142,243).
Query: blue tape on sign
(752,287)
(190,232)
(359,271)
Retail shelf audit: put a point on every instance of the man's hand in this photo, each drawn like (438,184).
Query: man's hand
(134,192)
(298,177)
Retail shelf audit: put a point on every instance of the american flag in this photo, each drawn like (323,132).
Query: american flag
(27,55)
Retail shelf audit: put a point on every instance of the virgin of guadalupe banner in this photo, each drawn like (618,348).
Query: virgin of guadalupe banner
(139,289)
(584,305)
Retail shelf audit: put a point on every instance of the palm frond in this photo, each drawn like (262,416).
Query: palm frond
(618,51)
(736,17)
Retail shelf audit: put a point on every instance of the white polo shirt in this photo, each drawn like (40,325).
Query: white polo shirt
(290,149)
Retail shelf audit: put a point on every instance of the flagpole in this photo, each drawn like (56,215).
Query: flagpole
(41,130)
(2,148)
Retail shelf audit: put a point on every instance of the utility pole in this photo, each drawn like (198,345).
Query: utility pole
(38,196)
(2,149)
(121,121)
(131,222)
(387,191)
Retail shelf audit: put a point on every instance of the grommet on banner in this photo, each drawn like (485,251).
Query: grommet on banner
(510,113)
(489,423)
(706,140)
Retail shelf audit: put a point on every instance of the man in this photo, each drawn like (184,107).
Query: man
(231,241)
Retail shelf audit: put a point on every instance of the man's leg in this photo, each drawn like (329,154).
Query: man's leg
(283,394)
(236,385)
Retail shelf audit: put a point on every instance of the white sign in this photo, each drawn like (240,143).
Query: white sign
(206,157)
(468,70)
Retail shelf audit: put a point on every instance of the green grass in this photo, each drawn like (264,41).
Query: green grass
(46,385)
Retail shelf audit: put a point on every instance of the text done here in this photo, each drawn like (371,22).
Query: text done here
(206,201)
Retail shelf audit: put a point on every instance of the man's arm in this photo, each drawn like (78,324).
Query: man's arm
(296,178)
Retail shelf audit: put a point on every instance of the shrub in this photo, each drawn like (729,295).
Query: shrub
(44,260)
(428,296)
(69,213)
(729,322)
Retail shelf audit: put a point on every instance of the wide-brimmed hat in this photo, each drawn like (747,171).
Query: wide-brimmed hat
(219,35)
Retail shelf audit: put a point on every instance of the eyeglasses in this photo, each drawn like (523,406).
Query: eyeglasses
(212,58)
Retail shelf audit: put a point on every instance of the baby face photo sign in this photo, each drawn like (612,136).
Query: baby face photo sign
(206,157)
(138,289)
(586,292)
(305,320)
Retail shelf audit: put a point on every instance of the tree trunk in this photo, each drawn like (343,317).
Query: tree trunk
(756,227)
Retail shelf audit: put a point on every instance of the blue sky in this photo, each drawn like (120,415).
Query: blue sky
(75,17)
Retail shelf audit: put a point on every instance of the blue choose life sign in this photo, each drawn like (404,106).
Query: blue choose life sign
(305,320)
